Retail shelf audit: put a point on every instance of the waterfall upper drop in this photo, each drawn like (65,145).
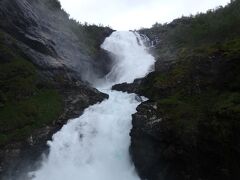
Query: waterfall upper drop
(130,57)
(95,145)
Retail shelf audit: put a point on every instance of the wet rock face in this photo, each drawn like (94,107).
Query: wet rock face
(64,61)
(19,158)
(174,135)
(190,127)
(76,99)
(46,34)
(129,87)
(145,140)
(153,145)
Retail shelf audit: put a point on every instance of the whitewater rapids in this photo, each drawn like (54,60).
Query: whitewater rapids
(95,145)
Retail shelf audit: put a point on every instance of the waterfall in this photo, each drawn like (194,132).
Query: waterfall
(95,145)
(130,57)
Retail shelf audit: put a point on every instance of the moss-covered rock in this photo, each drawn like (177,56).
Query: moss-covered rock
(193,130)
(24,106)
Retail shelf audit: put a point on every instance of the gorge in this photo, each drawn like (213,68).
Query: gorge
(95,145)
(80,101)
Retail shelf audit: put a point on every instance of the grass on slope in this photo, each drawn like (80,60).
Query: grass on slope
(23,105)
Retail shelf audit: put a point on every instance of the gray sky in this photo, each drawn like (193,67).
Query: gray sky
(134,14)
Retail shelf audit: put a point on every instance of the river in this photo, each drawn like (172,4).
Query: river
(95,146)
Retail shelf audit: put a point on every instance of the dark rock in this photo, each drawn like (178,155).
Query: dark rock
(128,87)
(193,133)
(19,158)
(145,141)
(51,40)
(176,138)
(58,47)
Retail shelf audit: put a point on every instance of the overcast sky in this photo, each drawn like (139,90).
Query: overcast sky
(134,14)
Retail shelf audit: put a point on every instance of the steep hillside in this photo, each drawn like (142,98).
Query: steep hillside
(190,127)
(47,63)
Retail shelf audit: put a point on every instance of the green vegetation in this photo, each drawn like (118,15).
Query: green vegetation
(214,27)
(24,106)
(27,101)
(91,36)
(198,96)
(27,115)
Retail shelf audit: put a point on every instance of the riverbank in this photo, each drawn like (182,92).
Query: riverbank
(43,81)
(189,129)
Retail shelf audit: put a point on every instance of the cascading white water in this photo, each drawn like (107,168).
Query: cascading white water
(131,60)
(95,145)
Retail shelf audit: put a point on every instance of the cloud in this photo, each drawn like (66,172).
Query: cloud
(133,14)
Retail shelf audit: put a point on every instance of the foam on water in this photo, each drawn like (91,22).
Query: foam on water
(130,57)
(95,145)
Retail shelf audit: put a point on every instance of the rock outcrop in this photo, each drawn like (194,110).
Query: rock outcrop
(43,54)
(190,124)
(189,128)
(52,41)
(17,158)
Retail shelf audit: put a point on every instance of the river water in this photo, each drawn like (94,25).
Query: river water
(95,146)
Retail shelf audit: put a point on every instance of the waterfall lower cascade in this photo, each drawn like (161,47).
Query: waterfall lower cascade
(95,145)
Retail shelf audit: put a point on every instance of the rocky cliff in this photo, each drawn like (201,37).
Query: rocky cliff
(189,128)
(47,63)
(55,41)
